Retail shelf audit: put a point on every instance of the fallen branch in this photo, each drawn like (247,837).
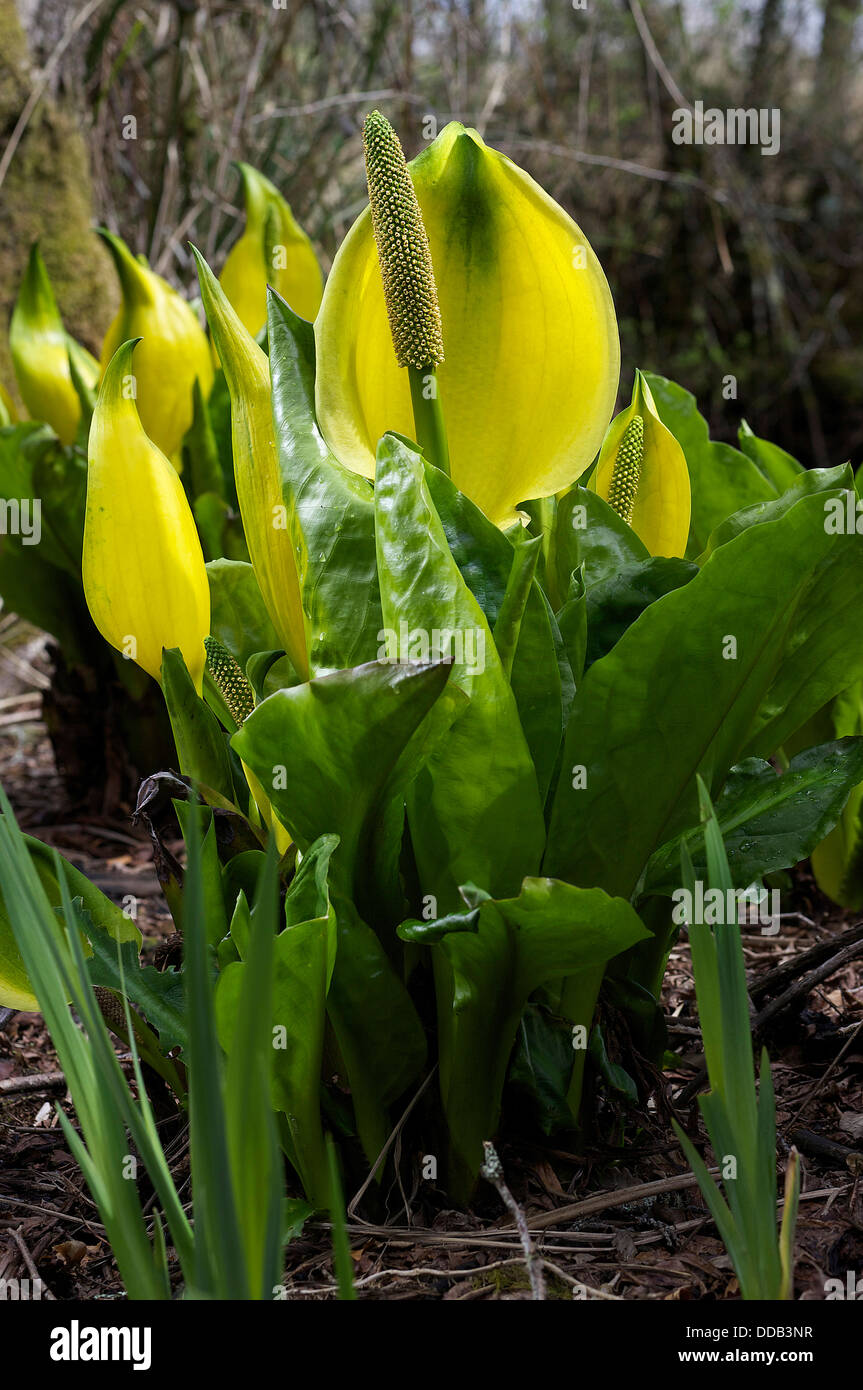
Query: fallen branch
(800,988)
(782,975)
(492,1171)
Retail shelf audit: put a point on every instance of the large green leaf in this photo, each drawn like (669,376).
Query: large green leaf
(335,755)
(537,668)
(723,479)
(779,467)
(15,989)
(615,602)
(815,480)
(724,667)
(474,808)
(331,507)
(480,549)
(589,533)
(158,993)
(549,931)
(769,822)
(824,654)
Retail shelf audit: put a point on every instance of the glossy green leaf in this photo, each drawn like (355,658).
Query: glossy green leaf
(823,655)
(333,506)
(480,549)
(201,748)
(348,740)
(726,666)
(769,822)
(815,480)
(778,466)
(474,809)
(330,754)
(589,532)
(539,674)
(549,931)
(616,601)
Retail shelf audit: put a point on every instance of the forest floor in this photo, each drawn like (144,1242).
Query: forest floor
(609,1222)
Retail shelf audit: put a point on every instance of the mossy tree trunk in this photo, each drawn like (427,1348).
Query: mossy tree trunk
(47,196)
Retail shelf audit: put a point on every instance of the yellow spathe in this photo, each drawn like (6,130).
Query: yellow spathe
(660,513)
(143,569)
(256,469)
(532,357)
(173,351)
(272,250)
(40,348)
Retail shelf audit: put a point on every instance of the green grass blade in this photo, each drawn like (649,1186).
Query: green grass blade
(789,1224)
(220,1269)
(342,1262)
(255,1156)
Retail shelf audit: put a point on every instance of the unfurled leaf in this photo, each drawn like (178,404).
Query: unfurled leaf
(549,931)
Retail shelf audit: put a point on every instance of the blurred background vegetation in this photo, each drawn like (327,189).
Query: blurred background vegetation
(722,261)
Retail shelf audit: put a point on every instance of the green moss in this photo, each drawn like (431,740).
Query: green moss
(47,196)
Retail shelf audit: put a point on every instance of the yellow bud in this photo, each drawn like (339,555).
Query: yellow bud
(145,581)
(642,474)
(273,250)
(41,348)
(173,353)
